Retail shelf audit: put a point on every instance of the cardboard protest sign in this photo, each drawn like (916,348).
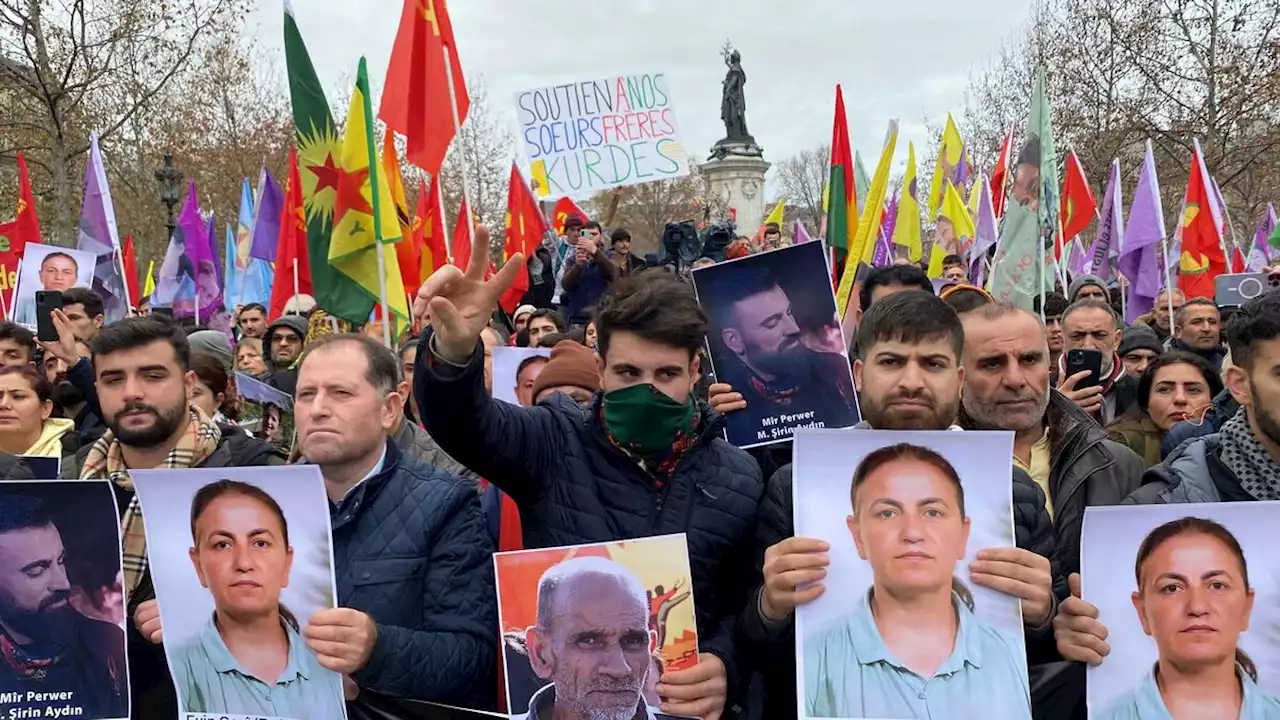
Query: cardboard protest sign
(1184,586)
(906,513)
(61,602)
(235,551)
(775,339)
(636,596)
(588,136)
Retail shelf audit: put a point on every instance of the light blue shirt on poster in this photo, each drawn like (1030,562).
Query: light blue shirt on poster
(850,673)
(1143,702)
(210,680)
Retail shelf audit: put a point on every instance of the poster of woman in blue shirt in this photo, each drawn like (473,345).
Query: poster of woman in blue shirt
(1191,596)
(244,656)
(909,638)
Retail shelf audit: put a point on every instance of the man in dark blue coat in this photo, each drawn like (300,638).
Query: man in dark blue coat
(643,458)
(418,612)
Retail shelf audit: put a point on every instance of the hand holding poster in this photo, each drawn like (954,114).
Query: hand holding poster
(240,558)
(593,135)
(775,339)
(1188,596)
(62,641)
(903,629)
(593,627)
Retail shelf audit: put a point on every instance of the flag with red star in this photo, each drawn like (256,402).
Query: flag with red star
(364,214)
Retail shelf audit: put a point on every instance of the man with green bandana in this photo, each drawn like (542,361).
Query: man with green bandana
(645,457)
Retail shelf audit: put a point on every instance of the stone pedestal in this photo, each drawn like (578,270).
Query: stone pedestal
(738,179)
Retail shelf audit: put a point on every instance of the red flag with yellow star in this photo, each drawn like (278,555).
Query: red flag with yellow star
(293,264)
(1202,259)
(525,228)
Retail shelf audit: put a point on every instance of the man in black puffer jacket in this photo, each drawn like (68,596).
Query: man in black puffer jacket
(643,458)
(908,378)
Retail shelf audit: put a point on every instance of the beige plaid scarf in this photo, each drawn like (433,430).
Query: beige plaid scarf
(106,461)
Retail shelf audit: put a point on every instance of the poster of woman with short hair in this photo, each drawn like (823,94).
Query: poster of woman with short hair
(1189,596)
(240,558)
(902,631)
(62,612)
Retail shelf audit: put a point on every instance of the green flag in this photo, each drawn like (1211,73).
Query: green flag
(1020,271)
(861,181)
(318,164)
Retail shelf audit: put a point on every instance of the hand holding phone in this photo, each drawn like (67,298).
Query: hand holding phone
(46,302)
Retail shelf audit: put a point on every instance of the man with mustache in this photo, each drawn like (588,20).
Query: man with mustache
(772,369)
(593,641)
(45,645)
(143,378)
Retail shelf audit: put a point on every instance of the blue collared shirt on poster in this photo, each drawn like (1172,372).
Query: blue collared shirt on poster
(850,673)
(210,680)
(1143,702)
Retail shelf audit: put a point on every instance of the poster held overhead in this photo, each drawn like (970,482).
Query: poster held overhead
(235,551)
(49,267)
(775,338)
(62,607)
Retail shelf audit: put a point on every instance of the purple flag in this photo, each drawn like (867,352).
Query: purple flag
(192,240)
(1260,254)
(799,234)
(97,234)
(1106,247)
(985,234)
(266,218)
(1141,257)
(1078,259)
(883,255)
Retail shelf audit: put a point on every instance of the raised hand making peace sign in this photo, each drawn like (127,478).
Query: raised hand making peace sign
(459,304)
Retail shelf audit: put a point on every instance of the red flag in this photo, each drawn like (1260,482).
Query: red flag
(1000,175)
(525,228)
(434,254)
(291,248)
(14,236)
(1078,206)
(129,265)
(1202,259)
(563,209)
(1237,260)
(415,97)
(409,249)
(462,240)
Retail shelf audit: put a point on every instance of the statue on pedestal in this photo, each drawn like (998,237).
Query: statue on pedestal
(733,110)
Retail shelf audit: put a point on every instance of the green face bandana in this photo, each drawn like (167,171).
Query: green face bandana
(644,420)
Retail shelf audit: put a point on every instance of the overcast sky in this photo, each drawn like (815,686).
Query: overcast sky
(896,58)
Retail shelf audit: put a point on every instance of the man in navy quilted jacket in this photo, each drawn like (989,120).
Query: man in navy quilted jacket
(644,458)
(417,615)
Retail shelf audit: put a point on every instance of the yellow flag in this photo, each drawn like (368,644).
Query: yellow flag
(364,214)
(906,229)
(954,233)
(150,286)
(950,153)
(775,217)
(864,245)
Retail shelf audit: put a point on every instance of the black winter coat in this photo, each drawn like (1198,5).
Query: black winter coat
(573,486)
(411,550)
(770,653)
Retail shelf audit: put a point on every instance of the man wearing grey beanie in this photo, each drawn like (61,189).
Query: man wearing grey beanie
(1139,345)
(1088,287)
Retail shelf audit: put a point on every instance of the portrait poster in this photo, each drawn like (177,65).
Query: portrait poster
(514,371)
(1183,585)
(774,336)
(636,595)
(49,267)
(926,503)
(257,559)
(62,602)
(588,136)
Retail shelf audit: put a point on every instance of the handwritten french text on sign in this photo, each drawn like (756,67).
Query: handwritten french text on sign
(588,136)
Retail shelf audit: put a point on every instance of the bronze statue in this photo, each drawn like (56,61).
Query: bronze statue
(733,110)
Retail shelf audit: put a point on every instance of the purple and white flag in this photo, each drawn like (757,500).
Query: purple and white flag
(1141,260)
(985,234)
(97,234)
(1106,248)
(1260,254)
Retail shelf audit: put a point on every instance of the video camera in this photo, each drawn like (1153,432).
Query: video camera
(681,244)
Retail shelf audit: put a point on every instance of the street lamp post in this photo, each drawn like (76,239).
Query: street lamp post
(170,179)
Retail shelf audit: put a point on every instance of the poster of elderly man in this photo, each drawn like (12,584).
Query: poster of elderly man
(589,629)
(62,641)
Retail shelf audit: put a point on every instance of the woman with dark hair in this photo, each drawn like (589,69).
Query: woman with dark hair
(916,626)
(27,425)
(1175,386)
(1194,600)
(250,658)
(215,393)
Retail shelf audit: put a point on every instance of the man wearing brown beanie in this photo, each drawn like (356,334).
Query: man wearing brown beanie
(572,370)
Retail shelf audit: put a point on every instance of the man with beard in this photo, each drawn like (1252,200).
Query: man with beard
(776,374)
(46,646)
(909,376)
(283,346)
(143,383)
(586,606)
(69,370)
(1198,331)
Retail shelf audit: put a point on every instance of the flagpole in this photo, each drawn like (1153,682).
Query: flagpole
(462,156)
(118,262)
(438,191)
